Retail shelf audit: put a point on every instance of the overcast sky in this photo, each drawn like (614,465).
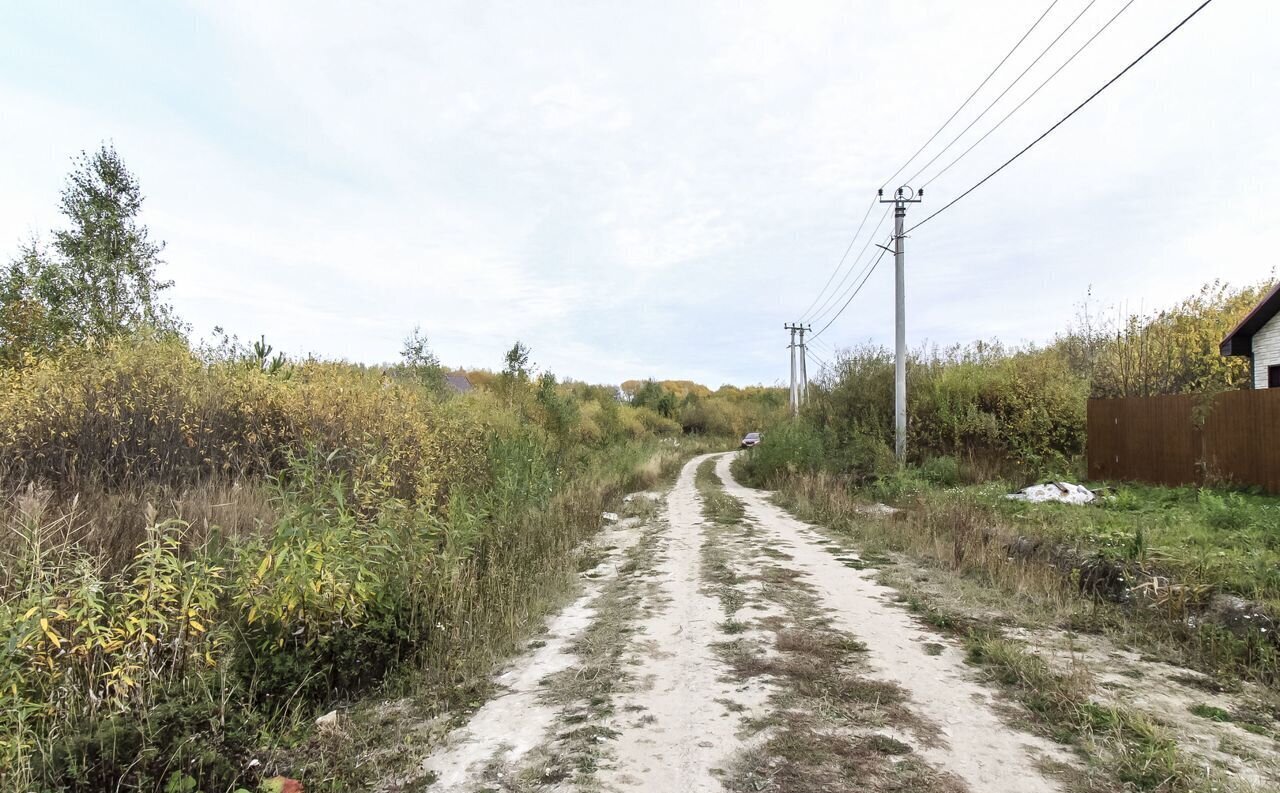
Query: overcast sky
(646,188)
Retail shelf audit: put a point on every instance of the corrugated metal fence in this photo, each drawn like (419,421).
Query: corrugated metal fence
(1188,439)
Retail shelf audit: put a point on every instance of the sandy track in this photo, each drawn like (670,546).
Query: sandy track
(687,736)
(977,747)
(680,720)
(511,725)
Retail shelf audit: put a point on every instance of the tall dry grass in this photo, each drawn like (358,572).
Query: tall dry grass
(1060,583)
(198,555)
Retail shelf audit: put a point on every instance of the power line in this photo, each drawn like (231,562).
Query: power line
(836,294)
(825,354)
(866,215)
(969,99)
(871,270)
(824,346)
(1030,96)
(932,137)
(818,358)
(1063,120)
(854,286)
(1007,89)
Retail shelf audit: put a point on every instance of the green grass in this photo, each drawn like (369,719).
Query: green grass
(1210,712)
(1227,540)
(717,505)
(1132,752)
(1212,539)
(1169,549)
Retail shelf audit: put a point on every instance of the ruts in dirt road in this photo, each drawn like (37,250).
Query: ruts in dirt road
(720,644)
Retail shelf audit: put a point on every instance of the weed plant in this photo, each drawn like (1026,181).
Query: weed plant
(199,556)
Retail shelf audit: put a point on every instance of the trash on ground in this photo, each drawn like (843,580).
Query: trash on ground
(1063,492)
(612,517)
(876,509)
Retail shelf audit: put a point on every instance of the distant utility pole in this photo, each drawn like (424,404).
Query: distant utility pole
(904,196)
(804,369)
(799,372)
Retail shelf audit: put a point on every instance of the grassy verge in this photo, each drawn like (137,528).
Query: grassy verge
(443,695)
(1043,557)
(1126,749)
(970,586)
(193,660)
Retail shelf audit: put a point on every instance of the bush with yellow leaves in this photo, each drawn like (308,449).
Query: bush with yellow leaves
(195,549)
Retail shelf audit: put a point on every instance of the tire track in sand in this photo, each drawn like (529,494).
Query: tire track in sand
(687,738)
(977,746)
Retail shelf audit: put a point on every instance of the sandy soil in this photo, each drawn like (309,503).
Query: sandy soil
(682,720)
(687,735)
(508,727)
(1170,694)
(977,746)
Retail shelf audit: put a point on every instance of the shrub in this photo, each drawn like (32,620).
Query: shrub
(787,448)
(941,471)
(312,528)
(1228,511)
(149,411)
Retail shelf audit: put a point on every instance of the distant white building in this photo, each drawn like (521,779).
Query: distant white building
(1257,337)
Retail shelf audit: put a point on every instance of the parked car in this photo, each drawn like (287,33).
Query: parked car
(751,439)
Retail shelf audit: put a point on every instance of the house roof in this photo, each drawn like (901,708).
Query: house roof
(458,382)
(1240,340)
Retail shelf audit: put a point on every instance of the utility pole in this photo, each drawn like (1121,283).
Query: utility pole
(791,347)
(904,196)
(799,374)
(804,369)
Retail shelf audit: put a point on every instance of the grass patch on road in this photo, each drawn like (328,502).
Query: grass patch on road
(585,691)
(722,544)
(825,729)
(717,505)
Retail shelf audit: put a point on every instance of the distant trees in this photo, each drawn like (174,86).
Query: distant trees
(1173,351)
(1022,410)
(98,279)
(728,411)
(420,363)
(517,363)
(652,395)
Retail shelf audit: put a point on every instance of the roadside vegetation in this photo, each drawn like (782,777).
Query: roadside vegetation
(986,421)
(1187,575)
(207,545)
(1045,629)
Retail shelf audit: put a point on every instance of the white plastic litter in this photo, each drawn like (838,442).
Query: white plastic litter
(612,517)
(1064,492)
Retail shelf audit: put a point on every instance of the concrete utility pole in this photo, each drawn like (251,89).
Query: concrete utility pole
(799,373)
(904,196)
(791,348)
(804,369)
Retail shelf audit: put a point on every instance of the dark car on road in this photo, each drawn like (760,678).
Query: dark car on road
(751,439)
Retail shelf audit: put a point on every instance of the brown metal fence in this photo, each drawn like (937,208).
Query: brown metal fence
(1188,439)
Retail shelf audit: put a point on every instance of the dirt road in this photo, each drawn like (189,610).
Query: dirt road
(721,644)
